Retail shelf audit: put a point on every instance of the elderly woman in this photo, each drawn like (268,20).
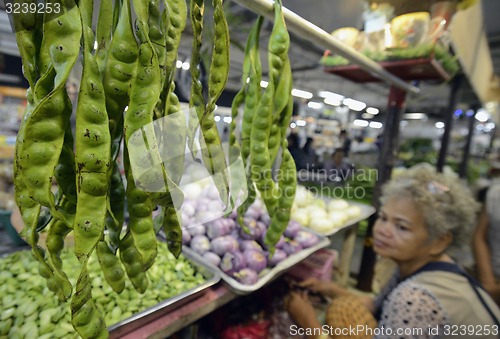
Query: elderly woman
(423,215)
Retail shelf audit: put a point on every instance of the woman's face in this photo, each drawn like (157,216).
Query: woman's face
(400,233)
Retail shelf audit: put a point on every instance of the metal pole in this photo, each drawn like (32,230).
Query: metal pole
(462,171)
(311,32)
(448,124)
(396,107)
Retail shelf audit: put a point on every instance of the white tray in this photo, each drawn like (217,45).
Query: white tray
(366,211)
(271,274)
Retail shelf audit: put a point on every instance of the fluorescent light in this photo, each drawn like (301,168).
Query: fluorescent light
(415,116)
(372,110)
(300,123)
(264,83)
(482,115)
(217,118)
(293,125)
(227,119)
(375,124)
(314,105)
(439,124)
(355,105)
(301,94)
(360,123)
(330,95)
(185,65)
(178,64)
(366,116)
(332,101)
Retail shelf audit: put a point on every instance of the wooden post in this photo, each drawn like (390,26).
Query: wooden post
(396,107)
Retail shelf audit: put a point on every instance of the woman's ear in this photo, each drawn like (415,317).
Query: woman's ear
(440,244)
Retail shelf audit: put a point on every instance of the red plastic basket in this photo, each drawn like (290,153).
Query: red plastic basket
(318,265)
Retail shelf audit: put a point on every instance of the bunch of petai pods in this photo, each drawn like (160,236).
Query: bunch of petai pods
(133,67)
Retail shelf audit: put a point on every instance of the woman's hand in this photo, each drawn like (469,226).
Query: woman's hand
(319,286)
(301,311)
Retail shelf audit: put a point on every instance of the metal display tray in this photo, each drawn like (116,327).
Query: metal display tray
(140,319)
(272,273)
(366,212)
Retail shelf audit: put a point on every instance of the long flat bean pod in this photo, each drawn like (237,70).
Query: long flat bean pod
(120,69)
(92,157)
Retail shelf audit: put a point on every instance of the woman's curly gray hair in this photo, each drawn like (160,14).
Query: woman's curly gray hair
(446,204)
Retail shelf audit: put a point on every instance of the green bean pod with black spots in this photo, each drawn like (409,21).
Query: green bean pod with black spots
(177,16)
(281,105)
(144,95)
(41,135)
(57,232)
(120,70)
(105,27)
(240,97)
(213,153)
(287,181)
(45,126)
(174,19)
(253,89)
(196,99)
(65,171)
(157,36)
(132,261)
(173,232)
(27,27)
(259,151)
(111,266)
(93,158)
(85,317)
(115,214)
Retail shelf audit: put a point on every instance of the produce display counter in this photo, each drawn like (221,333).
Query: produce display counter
(170,323)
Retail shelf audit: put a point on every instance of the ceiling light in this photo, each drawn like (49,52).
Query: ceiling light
(482,115)
(314,105)
(293,125)
(360,123)
(300,123)
(178,64)
(185,66)
(301,94)
(355,105)
(333,102)
(330,95)
(415,116)
(480,127)
(217,118)
(439,124)
(366,116)
(490,125)
(372,110)
(227,120)
(375,124)
(263,83)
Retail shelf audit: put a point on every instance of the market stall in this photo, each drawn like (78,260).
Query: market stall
(129,240)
